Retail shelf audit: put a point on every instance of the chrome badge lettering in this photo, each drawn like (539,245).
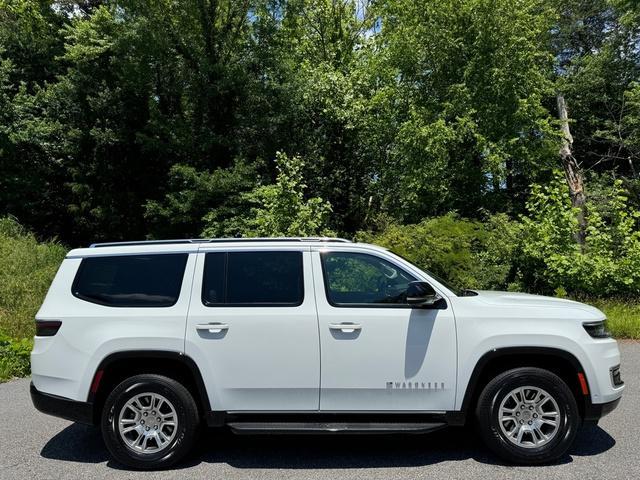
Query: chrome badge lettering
(415,385)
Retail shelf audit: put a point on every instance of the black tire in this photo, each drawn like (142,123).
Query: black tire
(186,429)
(487,414)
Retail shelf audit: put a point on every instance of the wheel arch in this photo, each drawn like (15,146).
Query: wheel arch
(116,367)
(561,362)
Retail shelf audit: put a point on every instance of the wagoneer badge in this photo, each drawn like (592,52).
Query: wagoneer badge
(415,385)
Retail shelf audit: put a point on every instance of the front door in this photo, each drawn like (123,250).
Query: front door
(252,328)
(378,353)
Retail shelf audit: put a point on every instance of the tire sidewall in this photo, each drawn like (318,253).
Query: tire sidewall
(116,445)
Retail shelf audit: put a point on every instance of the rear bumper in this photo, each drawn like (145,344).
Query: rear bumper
(595,411)
(81,412)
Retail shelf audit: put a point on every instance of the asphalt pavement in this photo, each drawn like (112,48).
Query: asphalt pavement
(36,446)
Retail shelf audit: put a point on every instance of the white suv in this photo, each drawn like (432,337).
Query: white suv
(151,340)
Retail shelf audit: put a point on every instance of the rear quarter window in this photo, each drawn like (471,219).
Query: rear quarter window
(131,280)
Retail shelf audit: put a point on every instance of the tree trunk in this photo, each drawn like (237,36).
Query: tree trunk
(634,174)
(572,171)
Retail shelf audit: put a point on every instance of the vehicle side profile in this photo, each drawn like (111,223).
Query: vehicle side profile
(153,340)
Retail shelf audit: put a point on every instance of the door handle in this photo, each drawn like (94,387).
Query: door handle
(212,327)
(345,327)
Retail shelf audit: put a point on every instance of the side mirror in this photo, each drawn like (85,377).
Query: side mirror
(421,294)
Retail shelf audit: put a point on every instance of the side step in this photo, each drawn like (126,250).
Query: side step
(325,427)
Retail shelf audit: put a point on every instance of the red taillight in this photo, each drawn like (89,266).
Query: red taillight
(47,328)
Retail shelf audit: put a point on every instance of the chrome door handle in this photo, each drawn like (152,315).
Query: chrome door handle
(212,327)
(345,327)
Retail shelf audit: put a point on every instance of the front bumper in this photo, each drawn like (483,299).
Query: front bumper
(81,412)
(595,411)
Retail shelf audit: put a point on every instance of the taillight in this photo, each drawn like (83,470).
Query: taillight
(47,328)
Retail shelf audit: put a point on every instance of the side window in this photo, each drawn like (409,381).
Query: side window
(362,279)
(213,282)
(131,280)
(253,279)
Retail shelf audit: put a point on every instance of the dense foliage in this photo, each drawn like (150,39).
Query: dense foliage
(608,263)
(467,253)
(535,252)
(14,357)
(431,127)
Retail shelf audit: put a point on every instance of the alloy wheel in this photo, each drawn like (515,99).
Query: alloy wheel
(147,423)
(529,417)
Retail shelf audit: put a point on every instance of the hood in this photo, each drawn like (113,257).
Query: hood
(528,300)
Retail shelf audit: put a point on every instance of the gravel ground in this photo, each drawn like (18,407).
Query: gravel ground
(33,445)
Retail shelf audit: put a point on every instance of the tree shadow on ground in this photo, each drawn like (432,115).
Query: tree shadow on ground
(79,443)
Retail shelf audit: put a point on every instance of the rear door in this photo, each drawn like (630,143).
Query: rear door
(252,328)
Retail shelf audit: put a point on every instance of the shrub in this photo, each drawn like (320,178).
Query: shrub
(551,260)
(280,209)
(14,357)
(468,253)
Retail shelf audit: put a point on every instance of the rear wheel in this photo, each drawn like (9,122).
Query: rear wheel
(149,422)
(528,416)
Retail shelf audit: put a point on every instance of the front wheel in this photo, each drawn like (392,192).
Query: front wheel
(528,416)
(149,422)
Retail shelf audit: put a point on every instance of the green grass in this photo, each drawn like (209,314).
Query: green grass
(26,270)
(623,316)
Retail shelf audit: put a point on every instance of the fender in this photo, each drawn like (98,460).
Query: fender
(179,357)
(545,352)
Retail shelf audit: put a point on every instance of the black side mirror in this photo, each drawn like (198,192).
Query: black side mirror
(421,294)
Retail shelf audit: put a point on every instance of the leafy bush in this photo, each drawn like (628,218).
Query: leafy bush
(609,261)
(468,253)
(539,253)
(280,209)
(199,198)
(14,357)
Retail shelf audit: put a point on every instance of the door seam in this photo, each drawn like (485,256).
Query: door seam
(186,322)
(315,302)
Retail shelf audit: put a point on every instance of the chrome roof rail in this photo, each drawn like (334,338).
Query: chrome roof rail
(219,240)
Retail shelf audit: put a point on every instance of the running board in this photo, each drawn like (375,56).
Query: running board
(325,427)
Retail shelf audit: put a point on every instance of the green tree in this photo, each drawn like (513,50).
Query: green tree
(609,262)
(598,66)
(466,84)
(312,51)
(281,209)
(31,175)
(197,199)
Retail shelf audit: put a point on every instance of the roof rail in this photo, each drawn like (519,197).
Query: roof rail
(149,242)
(279,239)
(219,240)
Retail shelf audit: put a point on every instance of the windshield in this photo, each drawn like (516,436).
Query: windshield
(457,291)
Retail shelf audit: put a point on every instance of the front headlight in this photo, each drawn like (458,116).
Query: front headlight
(596,329)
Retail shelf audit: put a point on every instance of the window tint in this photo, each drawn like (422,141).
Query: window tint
(131,280)
(361,279)
(213,283)
(253,278)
